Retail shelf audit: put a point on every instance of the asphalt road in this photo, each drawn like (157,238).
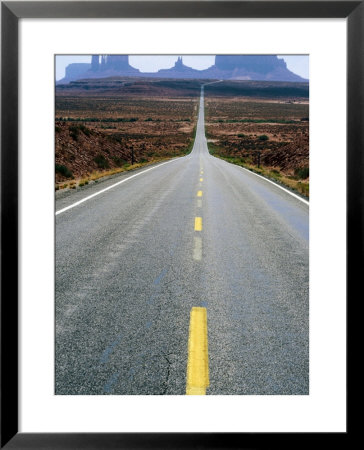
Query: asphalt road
(130,266)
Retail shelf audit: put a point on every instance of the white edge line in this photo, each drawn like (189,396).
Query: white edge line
(260,176)
(112,186)
(272,182)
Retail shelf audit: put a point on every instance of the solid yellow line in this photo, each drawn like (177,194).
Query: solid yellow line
(201,179)
(198,359)
(198,223)
(199,194)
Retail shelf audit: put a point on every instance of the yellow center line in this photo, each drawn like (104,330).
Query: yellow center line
(201,179)
(198,223)
(198,360)
(199,194)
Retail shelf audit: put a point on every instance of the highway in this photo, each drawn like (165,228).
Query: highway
(136,253)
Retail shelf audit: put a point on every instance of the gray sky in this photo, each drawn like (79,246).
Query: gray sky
(152,63)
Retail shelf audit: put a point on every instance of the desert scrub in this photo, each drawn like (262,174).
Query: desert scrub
(273,174)
(263,137)
(86,131)
(302,173)
(114,138)
(63,170)
(278,121)
(101,161)
(213,149)
(119,162)
(96,119)
(189,147)
(83,182)
(95,176)
(74,132)
(303,188)
(76,129)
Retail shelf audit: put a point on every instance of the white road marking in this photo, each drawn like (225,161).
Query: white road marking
(271,182)
(197,251)
(110,187)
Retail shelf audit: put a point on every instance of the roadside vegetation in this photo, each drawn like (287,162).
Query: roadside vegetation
(108,163)
(298,182)
(267,136)
(102,135)
(94,177)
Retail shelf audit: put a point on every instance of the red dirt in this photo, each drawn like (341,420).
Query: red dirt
(290,157)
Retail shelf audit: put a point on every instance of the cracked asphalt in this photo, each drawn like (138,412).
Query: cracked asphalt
(128,274)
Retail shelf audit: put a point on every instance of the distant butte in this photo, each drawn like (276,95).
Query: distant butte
(226,67)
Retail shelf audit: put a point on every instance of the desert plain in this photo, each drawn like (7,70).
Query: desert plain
(105,126)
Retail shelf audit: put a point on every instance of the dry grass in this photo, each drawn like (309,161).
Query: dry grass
(274,174)
(97,175)
(106,140)
(272,134)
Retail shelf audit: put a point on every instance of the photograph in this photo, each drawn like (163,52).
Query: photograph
(181,206)
(181,224)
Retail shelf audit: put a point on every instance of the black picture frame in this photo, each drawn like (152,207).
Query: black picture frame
(11,12)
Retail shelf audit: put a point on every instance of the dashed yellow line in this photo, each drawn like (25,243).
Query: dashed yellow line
(199,194)
(201,179)
(198,223)
(198,360)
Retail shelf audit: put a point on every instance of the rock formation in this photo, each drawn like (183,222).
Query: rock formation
(95,63)
(226,67)
(251,63)
(76,71)
(101,66)
(255,67)
(179,70)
